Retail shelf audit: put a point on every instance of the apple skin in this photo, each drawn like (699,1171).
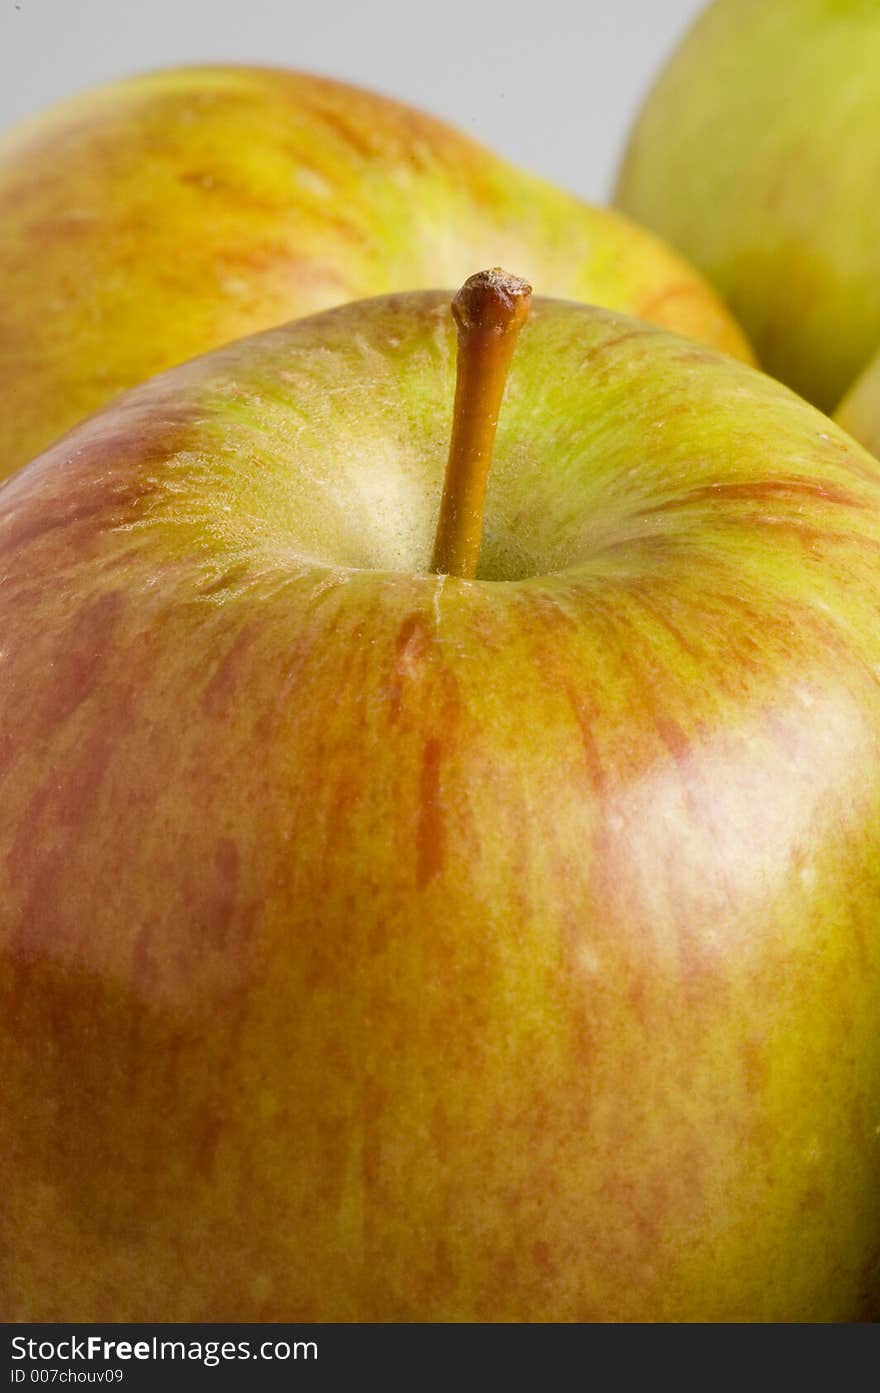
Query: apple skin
(757,154)
(157,218)
(384,946)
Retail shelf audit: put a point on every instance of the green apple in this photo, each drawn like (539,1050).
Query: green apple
(859,412)
(757,154)
(383,944)
(157,218)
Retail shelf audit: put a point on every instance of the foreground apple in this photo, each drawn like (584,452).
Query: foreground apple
(160,217)
(380,944)
(758,155)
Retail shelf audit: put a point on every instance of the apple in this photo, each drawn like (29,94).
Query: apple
(381,942)
(757,154)
(159,217)
(859,412)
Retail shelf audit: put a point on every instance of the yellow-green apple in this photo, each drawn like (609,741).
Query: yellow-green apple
(758,155)
(859,412)
(381,942)
(157,218)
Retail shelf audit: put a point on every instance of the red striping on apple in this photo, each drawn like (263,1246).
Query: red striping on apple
(380,944)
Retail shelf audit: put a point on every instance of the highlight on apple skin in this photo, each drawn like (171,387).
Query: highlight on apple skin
(176,211)
(757,154)
(383,945)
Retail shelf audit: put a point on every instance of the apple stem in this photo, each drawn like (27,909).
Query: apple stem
(489,311)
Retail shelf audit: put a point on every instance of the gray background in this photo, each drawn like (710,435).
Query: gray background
(552,84)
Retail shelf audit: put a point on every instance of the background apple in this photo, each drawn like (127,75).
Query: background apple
(154,219)
(757,154)
(383,945)
(859,412)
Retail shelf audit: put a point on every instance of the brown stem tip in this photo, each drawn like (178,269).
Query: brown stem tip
(492,300)
(489,311)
